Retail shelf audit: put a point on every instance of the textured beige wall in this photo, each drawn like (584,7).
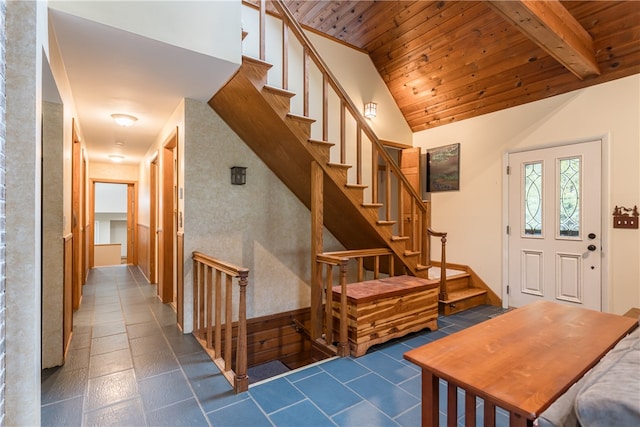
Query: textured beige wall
(473,216)
(52,237)
(113,171)
(260,225)
(26,28)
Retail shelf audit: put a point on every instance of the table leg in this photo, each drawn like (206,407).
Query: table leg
(489,414)
(430,399)
(517,420)
(452,405)
(469,409)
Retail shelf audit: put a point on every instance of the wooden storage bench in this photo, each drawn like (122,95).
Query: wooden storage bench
(383,309)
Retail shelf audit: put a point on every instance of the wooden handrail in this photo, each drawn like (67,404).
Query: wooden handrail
(208,311)
(412,210)
(412,213)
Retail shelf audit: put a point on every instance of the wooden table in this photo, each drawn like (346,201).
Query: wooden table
(521,361)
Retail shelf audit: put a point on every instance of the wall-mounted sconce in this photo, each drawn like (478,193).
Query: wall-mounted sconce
(238,175)
(370,110)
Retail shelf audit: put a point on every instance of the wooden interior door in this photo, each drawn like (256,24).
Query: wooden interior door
(76,218)
(131,224)
(167,236)
(409,162)
(153,222)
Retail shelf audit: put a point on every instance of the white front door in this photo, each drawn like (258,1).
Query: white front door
(554,241)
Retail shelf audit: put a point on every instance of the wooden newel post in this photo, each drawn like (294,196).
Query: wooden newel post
(241,379)
(443,269)
(343,343)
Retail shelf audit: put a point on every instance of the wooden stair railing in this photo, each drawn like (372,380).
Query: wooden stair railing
(392,203)
(326,262)
(442,296)
(213,309)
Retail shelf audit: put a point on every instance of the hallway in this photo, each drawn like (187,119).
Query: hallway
(129,365)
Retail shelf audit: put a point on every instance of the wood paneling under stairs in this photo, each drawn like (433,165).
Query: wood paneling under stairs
(277,337)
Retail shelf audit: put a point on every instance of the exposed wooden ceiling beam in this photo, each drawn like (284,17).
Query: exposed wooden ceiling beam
(555,30)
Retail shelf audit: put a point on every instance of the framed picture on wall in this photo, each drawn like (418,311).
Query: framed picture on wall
(443,168)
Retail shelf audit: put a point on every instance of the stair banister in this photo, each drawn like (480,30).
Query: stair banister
(414,211)
(348,104)
(207,316)
(443,263)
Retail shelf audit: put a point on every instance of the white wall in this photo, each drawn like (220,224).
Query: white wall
(166,21)
(473,216)
(362,82)
(110,197)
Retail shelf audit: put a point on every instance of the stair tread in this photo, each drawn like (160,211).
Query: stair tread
(279,91)
(256,61)
(382,222)
(355,185)
(411,253)
(324,143)
(463,294)
(372,205)
(301,118)
(339,165)
(399,238)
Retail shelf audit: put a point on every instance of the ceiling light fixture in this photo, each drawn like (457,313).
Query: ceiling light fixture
(370,110)
(124,120)
(116,158)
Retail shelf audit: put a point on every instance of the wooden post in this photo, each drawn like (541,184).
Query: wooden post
(242,379)
(263,29)
(317,176)
(443,269)
(343,343)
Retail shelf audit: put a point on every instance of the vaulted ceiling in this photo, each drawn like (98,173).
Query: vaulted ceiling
(446,61)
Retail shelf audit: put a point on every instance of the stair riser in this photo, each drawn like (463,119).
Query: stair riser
(280,104)
(465,304)
(457,284)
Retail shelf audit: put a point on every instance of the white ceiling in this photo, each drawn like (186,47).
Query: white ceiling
(114,71)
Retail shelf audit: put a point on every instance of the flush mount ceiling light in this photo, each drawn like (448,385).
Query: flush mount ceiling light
(370,110)
(119,142)
(124,120)
(116,158)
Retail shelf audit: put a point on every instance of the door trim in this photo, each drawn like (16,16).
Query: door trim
(605,203)
(132,235)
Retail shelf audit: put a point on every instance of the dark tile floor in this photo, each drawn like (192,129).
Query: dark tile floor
(129,365)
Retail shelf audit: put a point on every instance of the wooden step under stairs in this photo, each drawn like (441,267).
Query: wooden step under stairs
(464,290)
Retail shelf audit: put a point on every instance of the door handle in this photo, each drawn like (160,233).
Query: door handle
(592,247)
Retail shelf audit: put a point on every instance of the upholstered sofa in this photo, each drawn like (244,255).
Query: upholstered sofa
(607,395)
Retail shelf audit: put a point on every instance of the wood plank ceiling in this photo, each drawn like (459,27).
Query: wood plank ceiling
(447,61)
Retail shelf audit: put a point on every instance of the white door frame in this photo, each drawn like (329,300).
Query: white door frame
(606,203)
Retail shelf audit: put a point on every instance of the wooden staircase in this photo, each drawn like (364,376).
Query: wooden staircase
(260,115)
(360,217)
(464,289)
